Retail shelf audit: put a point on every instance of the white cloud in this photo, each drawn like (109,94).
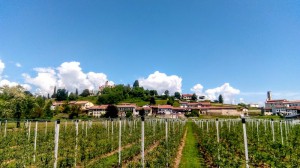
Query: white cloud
(2,66)
(197,89)
(18,65)
(161,82)
(45,80)
(7,82)
(68,75)
(227,91)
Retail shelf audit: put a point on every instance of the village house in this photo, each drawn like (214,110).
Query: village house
(194,104)
(84,105)
(97,111)
(148,110)
(57,104)
(126,107)
(162,109)
(186,97)
(220,110)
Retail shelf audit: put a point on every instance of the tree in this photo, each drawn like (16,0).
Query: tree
(75,110)
(153,92)
(76,93)
(221,99)
(136,84)
(111,111)
(85,93)
(194,97)
(152,101)
(62,94)
(54,93)
(177,95)
(167,93)
(170,101)
(72,96)
(48,113)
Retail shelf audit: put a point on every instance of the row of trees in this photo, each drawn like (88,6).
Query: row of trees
(63,94)
(17,103)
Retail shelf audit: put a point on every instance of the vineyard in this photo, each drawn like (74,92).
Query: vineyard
(149,143)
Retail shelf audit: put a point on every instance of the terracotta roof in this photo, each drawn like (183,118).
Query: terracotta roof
(279,100)
(294,108)
(101,107)
(126,105)
(218,107)
(57,103)
(165,106)
(294,101)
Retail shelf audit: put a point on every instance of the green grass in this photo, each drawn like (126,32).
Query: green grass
(190,155)
(92,99)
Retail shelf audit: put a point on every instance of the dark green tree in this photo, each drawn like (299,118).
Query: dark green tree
(62,94)
(111,111)
(75,110)
(167,93)
(54,93)
(152,101)
(85,93)
(153,92)
(194,97)
(66,109)
(221,99)
(170,101)
(76,92)
(72,96)
(48,113)
(177,95)
(136,84)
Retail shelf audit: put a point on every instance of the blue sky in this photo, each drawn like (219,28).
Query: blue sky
(252,45)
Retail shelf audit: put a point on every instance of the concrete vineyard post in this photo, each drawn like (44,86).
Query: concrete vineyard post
(35,136)
(76,141)
(86,129)
(5,126)
(245,142)
(285,127)
(166,123)
(29,130)
(281,132)
(56,138)
(272,126)
(206,125)
(143,141)
(218,137)
(120,138)
(46,127)
(257,123)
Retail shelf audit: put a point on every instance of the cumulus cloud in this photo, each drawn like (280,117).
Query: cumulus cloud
(45,80)
(18,65)
(197,89)
(68,75)
(227,91)
(6,82)
(2,66)
(161,82)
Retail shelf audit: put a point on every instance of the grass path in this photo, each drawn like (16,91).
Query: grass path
(190,155)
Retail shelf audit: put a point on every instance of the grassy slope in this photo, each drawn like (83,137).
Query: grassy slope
(190,155)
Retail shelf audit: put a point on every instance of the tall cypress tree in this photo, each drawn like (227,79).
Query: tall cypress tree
(54,93)
(221,100)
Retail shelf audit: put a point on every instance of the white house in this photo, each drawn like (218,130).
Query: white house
(97,111)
